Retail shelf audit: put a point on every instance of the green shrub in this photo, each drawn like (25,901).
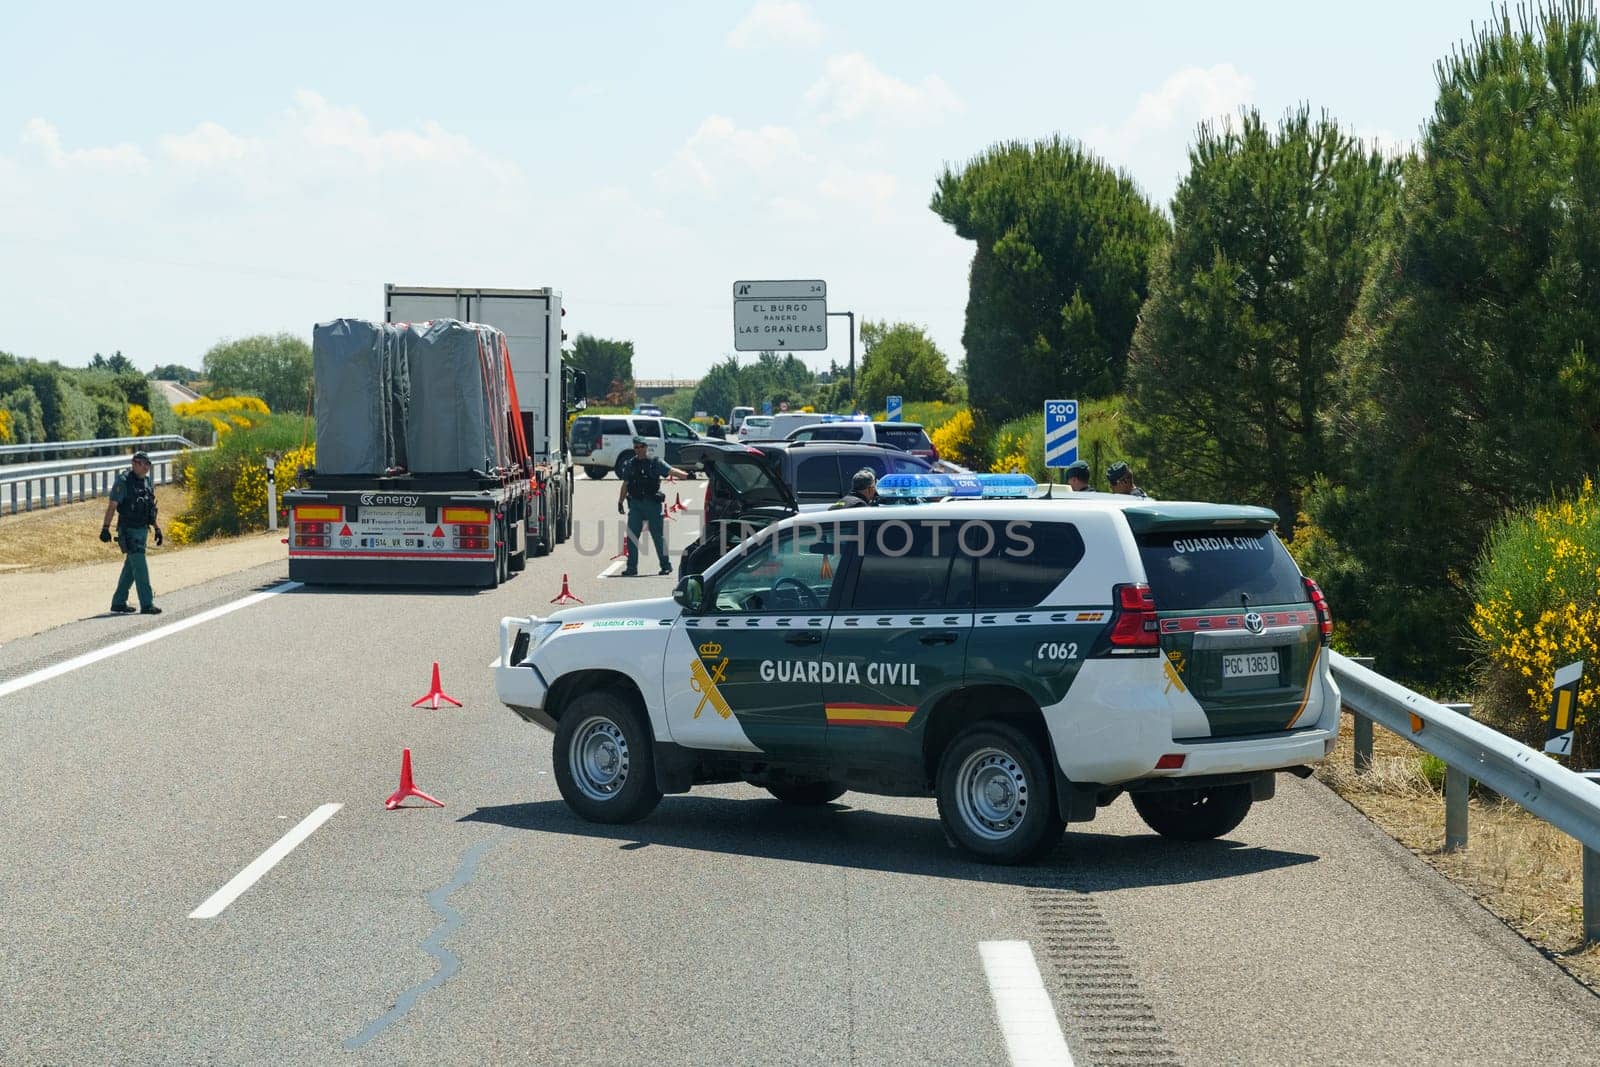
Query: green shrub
(1102,424)
(228,484)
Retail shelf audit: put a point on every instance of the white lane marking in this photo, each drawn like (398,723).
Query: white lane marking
(263,863)
(614,569)
(1027,1018)
(44,674)
(495,662)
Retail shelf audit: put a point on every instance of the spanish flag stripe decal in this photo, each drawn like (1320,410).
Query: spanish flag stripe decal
(1306,698)
(869,714)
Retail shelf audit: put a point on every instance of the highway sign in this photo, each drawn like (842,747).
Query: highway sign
(893,408)
(1060,433)
(770,316)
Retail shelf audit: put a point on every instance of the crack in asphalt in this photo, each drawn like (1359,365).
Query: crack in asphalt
(449,962)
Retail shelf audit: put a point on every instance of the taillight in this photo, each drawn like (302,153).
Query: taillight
(1134,625)
(311,534)
(1324,613)
(471,536)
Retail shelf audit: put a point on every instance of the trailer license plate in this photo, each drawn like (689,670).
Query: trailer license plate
(388,542)
(1250,665)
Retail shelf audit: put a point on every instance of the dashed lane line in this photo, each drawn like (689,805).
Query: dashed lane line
(44,674)
(263,863)
(1027,1018)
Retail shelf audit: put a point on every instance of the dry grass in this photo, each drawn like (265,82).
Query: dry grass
(1523,870)
(68,535)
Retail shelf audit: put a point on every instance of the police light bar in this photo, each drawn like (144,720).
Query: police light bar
(934,486)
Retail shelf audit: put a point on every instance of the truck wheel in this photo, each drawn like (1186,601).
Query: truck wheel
(502,560)
(604,762)
(808,794)
(541,544)
(1194,814)
(595,472)
(566,510)
(996,794)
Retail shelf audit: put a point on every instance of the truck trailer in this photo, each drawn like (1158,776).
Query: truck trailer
(425,474)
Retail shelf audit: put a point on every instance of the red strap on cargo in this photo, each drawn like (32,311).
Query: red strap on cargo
(516,407)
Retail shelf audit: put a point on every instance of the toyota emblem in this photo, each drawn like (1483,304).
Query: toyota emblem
(1254,622)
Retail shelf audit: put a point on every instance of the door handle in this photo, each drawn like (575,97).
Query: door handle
(943,637)
(804,637)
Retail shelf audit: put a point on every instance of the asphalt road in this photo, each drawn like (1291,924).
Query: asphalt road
(725,928)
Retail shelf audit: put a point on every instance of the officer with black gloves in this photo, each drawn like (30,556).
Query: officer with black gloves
(641,488)
(133,500)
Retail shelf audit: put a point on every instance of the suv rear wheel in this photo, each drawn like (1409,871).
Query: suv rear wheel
(604,762)
(808,794)
(595,472)
(996,794)
(1194,814)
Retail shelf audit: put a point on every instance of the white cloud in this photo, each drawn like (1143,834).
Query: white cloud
(208,143)
(44,136)
(851,88)
(1153,141)
(780,22)
(719,147)
(347,131)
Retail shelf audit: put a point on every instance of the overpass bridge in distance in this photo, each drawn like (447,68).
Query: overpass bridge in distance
(655,388)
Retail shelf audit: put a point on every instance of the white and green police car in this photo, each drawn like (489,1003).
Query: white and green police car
(1023,661)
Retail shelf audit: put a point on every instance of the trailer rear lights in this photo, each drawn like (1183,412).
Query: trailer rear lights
(1172,761)
(310,540)
(310,527)
(473,530)
(472,542)
(324,512)
(455,516)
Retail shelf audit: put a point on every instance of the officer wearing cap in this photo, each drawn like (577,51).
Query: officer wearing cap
(1120,476)
(641,489)
(133,500)
(1078,476)
(863,491)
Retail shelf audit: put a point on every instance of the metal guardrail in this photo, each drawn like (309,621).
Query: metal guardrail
(97,444)
(27,487)
(1544,788)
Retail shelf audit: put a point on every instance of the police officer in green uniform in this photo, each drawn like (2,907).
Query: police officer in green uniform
(863,491)
(133,499)
(1078,476)
(641,488)
(1120,477)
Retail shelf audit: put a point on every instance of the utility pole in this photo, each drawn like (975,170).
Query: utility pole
(851,315)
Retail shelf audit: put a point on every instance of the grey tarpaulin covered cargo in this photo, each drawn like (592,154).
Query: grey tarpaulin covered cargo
(459,398)
(361,396)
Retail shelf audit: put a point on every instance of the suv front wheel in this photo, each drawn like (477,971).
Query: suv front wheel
(604,760)
(1194,814)
(996,794)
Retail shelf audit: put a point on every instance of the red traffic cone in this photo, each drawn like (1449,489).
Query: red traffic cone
(566,596)
(408,788)
(435,693)
(620,555)
(677,502)
(666,513)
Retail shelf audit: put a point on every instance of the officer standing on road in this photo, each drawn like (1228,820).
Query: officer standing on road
(717,430)
(1120,476)
(1078,476)
(863,491)
(641,488)
(133,499)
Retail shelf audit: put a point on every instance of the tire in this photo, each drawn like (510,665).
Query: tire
(1194,814)
(996,794)
(808,794)
(541,544)
(502,559)
(596,472)
(604,759)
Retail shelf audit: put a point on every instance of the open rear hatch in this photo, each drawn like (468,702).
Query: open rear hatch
(741,481)
(1236,618)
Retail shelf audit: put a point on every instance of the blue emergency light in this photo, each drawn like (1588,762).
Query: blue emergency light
(934,486)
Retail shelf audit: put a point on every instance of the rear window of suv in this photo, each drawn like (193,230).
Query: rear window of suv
(585,430)
(1211,569)
(910,438)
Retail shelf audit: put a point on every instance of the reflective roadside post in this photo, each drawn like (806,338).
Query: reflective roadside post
(272,493)
(1362,727)
(1456,786)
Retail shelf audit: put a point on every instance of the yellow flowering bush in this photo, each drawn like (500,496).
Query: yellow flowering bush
(221,405)
(140,422)
(179,532)
(1536,607)
(228,484)
(957,440)
(5,427)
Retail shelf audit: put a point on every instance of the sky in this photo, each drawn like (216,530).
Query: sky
(175,174)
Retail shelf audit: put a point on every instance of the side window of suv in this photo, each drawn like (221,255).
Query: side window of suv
(817,476)
(903,566)
(677,430)
(794,570)
(611,426)
(647,427)
(1020,562)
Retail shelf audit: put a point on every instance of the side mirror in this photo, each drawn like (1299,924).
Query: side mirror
(690,593)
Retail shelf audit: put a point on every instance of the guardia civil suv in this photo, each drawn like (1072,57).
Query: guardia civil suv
(1024,661)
